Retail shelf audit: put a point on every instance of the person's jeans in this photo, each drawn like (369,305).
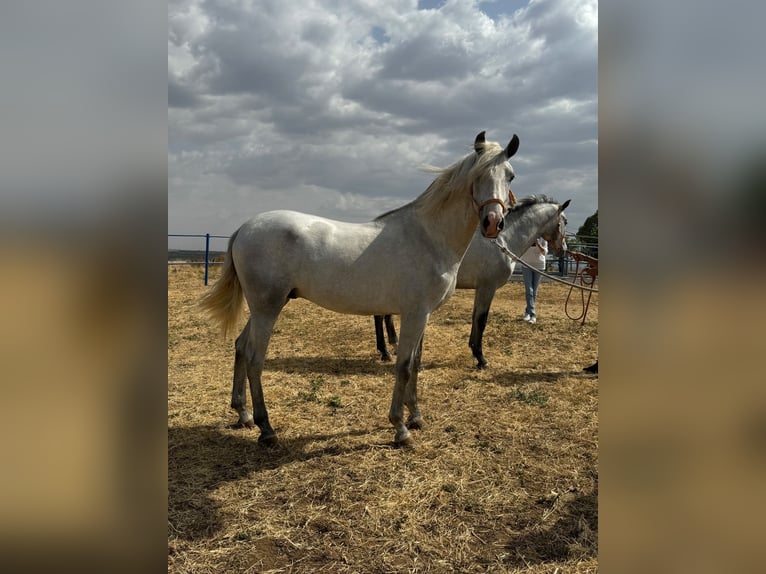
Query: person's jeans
(531,282)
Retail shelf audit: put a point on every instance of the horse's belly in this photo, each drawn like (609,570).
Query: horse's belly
(352,301)
(372,281)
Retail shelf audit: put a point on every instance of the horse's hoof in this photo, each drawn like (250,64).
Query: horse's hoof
(268,439)
(403,438)
(415,423)
(483,364)
(242,424)
(386,358)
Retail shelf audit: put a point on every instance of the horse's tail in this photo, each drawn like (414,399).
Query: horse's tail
(224,300)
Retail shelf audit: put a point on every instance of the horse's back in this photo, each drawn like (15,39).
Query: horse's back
(338,265)
(293,233)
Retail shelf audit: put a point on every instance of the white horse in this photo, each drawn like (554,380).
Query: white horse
(486,267)
(404,262)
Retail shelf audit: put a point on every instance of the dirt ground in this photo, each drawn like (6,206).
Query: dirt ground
(502,478)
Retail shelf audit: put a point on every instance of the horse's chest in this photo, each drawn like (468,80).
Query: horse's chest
(445,288)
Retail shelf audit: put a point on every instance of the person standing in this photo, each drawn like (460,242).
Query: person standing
(535,258)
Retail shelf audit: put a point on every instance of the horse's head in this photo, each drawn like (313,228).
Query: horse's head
(490,187)
(555,230)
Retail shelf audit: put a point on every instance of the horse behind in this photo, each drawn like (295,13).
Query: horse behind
(404,262)
(486,267)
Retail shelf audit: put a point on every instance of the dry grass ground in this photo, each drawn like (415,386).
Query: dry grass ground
(503,477)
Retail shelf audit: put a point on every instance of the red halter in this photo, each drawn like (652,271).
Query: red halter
(511,202)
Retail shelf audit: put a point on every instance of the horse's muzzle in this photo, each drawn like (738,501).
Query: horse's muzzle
(492,225)
(495,208)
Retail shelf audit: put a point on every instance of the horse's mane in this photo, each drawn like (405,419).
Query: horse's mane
(530,200)
(453,180)
(524,206)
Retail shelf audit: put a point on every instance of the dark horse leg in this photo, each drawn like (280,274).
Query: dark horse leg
(380,342)
(390,331)
(481,303)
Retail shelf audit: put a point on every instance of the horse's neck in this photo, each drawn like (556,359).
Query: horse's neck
(453,225)
(520,233)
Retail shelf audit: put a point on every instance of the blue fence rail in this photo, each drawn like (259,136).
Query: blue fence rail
(567,265)
(207,261)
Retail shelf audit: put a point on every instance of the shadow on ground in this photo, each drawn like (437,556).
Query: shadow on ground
(200,458)
(329,365)
(513,379)
(574,535)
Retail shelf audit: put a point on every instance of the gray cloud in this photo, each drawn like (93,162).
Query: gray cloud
(180,96)
(332,108)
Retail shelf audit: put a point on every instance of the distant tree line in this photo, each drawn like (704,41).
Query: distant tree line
(586,238)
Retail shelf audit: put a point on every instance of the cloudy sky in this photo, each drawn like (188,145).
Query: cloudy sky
(330,106)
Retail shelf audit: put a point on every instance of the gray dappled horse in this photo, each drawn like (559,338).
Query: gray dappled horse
(486,267)
(404,262)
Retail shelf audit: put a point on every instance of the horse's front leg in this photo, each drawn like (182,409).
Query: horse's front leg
(411,334)
(481,303)
(415,420)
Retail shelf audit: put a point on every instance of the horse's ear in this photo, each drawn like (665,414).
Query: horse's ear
(513,146)
(564,205)
(478,143)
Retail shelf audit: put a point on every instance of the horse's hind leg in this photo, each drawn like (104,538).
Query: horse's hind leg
(261,327)
(239,391)
(391,331)
(380,342)
(481,303)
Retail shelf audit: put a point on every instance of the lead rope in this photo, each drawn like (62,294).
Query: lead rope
(581,273)
(516,258)
(572,284)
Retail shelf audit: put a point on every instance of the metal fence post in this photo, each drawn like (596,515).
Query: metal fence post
(207,255)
